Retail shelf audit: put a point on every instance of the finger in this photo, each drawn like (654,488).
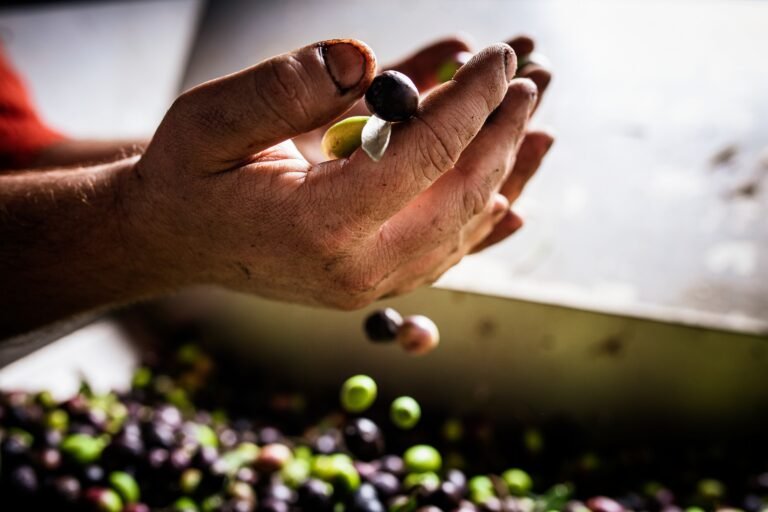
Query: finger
(429,144)
(532,151)
(231,118)
(458,196)
(522,44)
(508,225)
(488,160)
(427,268)
(422,67)
(540,76)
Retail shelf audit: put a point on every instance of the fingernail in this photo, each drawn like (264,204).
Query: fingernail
(528,87)
(510,64)
(346,61)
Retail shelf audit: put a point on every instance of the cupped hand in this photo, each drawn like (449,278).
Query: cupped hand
(423,67)
(223,196)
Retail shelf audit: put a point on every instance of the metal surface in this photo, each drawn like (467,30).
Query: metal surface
(508,358)
(654,198)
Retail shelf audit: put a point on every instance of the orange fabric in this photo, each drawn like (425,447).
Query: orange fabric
(22,133)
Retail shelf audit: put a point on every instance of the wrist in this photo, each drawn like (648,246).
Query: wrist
(67,246)
(150,235)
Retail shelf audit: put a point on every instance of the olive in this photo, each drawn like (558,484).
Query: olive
(315,494)
(50,459)
(392,464)
(449,68)
(326,443)
(405,412)
(104,500)
(269,435)
(358,393)
(383,324)
(24,480)
(518,481)
(92,474)
(710,488)
(392,96)
(457,478)
(480,489)
(422,458)
(447,496)
(386,484)
(190,480)
(344,137)
(418,335)
(66,488)
(125,485)
(364,439)
(604,504)
(184,504)
(273,457)
(124,450)
(136,507)
(273,505)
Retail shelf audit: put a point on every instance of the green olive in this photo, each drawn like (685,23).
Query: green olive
(449,68)
(422,458)
(358,393)
(184,504)
(405,412)
(83,448)
(480,489)
(125,485)
(190,480)
(428,479)
(344,137)
(518,481)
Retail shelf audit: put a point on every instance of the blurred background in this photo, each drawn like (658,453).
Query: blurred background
(641,276)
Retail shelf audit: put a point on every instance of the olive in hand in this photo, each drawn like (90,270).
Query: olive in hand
(392,96)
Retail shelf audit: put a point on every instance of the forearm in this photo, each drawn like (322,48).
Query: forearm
(68,246)
(70,152)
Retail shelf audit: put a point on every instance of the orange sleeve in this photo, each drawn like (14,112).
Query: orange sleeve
(22,133)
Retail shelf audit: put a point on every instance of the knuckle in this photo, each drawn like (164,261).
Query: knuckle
(347,303)
(283,90)
(354,290)
(439,149)
(474,201)
(190,113)
(358,285)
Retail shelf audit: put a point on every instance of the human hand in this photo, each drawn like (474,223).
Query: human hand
(223,196)
(423,67)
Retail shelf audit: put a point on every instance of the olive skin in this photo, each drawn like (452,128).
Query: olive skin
(392,96)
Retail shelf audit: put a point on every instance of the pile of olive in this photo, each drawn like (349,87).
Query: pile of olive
(251,448)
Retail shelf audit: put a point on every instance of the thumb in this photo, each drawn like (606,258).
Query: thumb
(227,120)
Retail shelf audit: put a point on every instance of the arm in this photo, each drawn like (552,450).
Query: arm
(78,152)
(66,246)
(222,196)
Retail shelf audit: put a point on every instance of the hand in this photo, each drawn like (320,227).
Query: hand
(423,67)
(223,196)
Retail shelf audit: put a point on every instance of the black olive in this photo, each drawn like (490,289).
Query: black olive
(392,97)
